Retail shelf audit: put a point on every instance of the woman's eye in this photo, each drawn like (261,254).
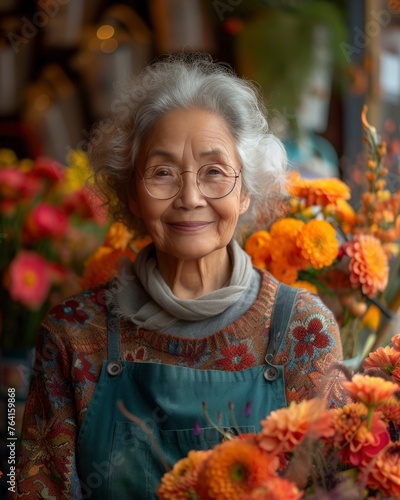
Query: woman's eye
(214,171)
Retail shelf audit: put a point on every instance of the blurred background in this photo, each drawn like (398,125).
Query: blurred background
(317,63)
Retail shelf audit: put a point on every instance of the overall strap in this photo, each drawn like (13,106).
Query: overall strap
(281,314)
(114,366)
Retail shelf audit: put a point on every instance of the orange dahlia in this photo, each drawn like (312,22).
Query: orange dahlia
(180,482)
(318,243)
(233,468)
(319,192)
(372,391)
(385,473)
(369,267)
(276,488)
(258,246)
(391,410)
(384,358)
(284,429)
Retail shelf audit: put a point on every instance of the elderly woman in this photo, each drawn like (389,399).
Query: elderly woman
(192,333)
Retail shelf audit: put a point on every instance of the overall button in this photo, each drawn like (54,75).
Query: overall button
(271,373)
(114,368)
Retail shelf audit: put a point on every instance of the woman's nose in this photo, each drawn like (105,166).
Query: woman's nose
(190,194)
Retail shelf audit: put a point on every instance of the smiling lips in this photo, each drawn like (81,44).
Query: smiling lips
(189,225)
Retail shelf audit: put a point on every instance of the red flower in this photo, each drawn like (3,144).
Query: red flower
(46,221)
(235,358)
(15,184)
(29,279)
(48,168)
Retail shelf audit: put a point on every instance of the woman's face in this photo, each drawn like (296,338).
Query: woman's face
(189,225)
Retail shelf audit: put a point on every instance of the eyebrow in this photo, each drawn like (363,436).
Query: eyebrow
(206,154)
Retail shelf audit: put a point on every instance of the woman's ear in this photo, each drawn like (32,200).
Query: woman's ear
(244,203)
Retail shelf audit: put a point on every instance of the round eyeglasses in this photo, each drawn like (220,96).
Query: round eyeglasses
(213,180)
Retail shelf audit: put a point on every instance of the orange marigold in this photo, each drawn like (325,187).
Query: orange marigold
(233,468)
(283,271)
(118,236)
(284,233)
(285,428)
(103,265)
(276,488)
(319,192)
(180,482)
(318,243)
(385,473)
(384,358)
(372,391)
(369,267)
(258,246)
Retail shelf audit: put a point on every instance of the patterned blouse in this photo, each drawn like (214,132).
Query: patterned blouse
(72,346)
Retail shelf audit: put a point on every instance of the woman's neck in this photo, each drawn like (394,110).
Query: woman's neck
(189,279)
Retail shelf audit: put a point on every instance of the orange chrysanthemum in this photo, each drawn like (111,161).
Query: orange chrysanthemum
(276,488)
(372,391)
(103,265)
(284,233)
(318,243)
(233,468)
(284,429)
(355,442)
(384,358)
(180,482)
(385,473)
(369,267)
(319,192)
(258,246)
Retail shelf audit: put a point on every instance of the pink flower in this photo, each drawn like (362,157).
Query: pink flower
(45,221)
(29,279)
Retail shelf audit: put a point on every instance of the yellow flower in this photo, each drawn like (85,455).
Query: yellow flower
(78,171)
(318,243)
(7,157)
(372,391)
(233,468)
(372,318)
(369,267)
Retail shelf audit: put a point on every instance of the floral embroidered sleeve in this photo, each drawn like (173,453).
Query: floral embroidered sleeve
(46,459)
(313,347)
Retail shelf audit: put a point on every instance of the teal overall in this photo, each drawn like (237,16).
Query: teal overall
(117,458)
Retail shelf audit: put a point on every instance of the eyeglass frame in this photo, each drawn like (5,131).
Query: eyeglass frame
(236,176)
